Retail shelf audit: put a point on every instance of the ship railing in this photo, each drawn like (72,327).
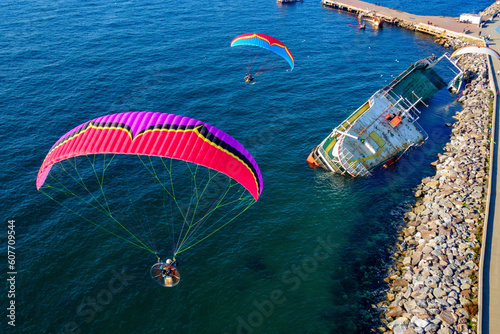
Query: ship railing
(346,160)
(451,61)
(398,101)
(398,79)
(323,161)
(412,112)
(392,97)
(409,110)
(421,130)
(428,61)
(405,105)
(455,82)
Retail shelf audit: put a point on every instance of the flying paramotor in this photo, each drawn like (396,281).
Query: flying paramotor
(266,42)
(149,177)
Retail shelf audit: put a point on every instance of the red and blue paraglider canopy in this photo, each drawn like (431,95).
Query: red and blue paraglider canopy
(266,42)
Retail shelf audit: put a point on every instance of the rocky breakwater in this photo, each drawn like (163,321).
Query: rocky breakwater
(433,283)
(455,42)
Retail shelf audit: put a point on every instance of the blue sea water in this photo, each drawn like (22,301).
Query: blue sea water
(309,257)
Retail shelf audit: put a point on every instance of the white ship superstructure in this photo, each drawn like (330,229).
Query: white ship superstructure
(384,127)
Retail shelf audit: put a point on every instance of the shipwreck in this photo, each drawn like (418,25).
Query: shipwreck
(385,126)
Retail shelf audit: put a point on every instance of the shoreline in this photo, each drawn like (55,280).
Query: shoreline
(433,282)
(437,26)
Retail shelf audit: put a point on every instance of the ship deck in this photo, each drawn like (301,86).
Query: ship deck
(384,127)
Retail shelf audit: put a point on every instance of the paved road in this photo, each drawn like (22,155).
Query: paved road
(489,276)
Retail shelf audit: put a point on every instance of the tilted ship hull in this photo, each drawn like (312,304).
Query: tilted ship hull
(384,127)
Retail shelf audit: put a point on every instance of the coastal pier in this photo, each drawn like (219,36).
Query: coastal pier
(441,26)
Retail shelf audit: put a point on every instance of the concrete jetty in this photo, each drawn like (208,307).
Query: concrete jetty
(443,26)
